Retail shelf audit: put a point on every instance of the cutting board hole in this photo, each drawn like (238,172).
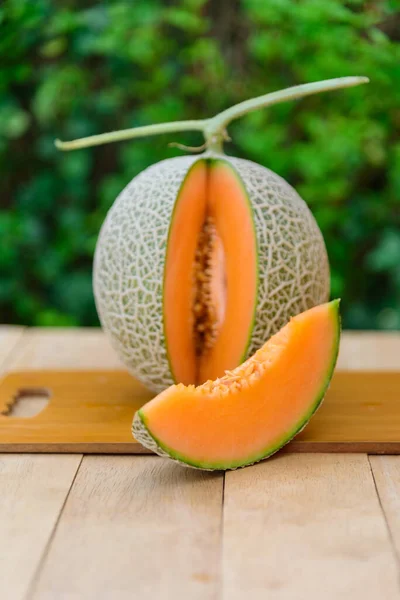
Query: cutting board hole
(27,402)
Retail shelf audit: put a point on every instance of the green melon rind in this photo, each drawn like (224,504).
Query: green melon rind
(142,433)
(213,163)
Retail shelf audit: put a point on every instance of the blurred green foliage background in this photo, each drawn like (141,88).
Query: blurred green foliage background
(73,68)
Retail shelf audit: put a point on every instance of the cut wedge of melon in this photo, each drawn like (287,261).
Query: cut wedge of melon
(254,410)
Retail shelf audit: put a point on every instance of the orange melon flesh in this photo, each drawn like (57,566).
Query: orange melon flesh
(229,208)
(254,410)
(211,189)
(187,221)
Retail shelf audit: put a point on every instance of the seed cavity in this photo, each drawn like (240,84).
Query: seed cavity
(205,328)
(246,375)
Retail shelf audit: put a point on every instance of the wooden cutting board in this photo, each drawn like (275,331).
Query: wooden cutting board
(92,412)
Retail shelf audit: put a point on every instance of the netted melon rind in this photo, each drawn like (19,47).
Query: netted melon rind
(129,267)
(130,257)
(293,263)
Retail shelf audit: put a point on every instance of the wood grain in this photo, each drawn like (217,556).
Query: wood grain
(386,471)
(62,348)
(306,527)
(369,351)
(9,338)
(88,411)
(294,527)
(136,527)
(73,348)
(33,490)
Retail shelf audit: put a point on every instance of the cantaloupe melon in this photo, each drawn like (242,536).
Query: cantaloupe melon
(252,411)
(273,265)
(201,259)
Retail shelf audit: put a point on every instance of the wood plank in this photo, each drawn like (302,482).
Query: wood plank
(73,348)
(386,471)
(32,492)
(189,567)
(65,348)
(369,351)
(136,527)
(306,527)
(33,489)
(9,338)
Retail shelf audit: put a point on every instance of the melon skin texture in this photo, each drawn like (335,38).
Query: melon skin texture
(293,269)
(316,330)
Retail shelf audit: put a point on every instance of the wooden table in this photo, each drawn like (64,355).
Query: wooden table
(138,527)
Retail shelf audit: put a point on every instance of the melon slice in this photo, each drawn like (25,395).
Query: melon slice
(210,274)
(254,410)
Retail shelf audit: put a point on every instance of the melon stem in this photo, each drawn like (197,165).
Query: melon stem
(220,121)
(128,134)
(214,129)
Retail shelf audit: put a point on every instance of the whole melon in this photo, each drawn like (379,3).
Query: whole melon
(130,262)
(202,259)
